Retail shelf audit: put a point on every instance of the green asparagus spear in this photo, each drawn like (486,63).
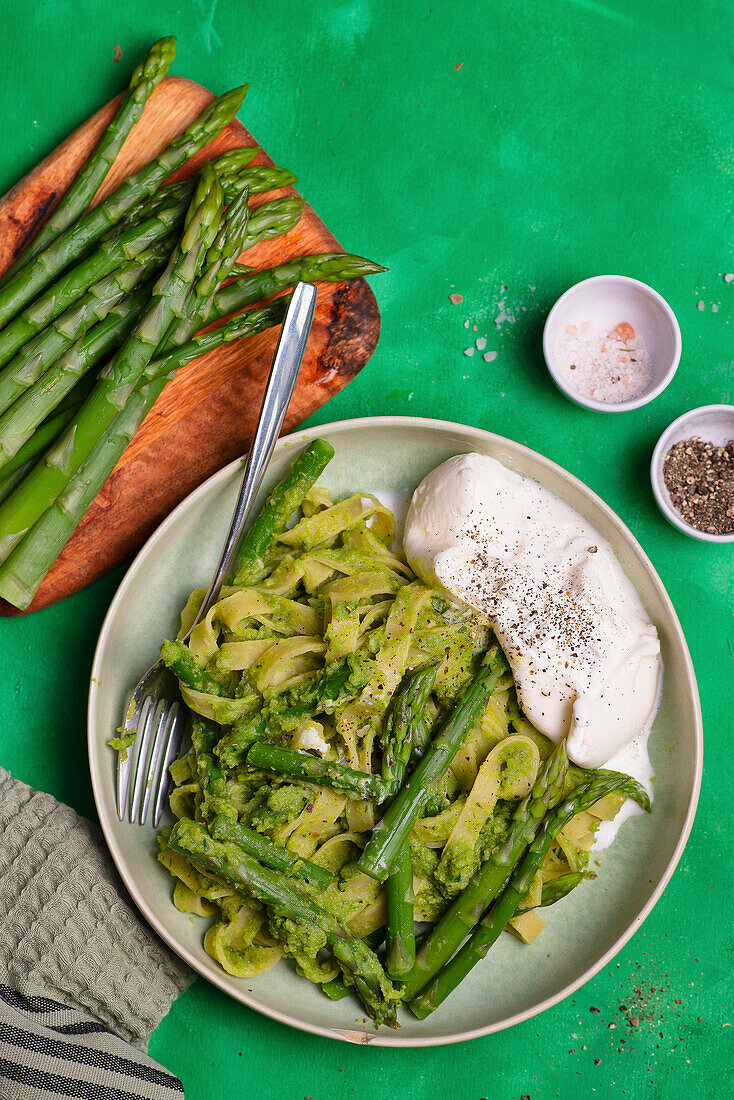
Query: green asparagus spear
(114,389)
(234,176)
(107,258)
(222,254)
(44,435)
(561,887)
(180,660)
(13,479)
(490,927)
(243,324)
(143,82)
(32,360)
(215,799)
(402,722)
(31,408)
(400,956)
(230,863)
(69,245)
(28,564)
(324,773)
(282,502)
(381,856)
(64,373)
(467,909)
(269,853)
(327,267)
(97,343)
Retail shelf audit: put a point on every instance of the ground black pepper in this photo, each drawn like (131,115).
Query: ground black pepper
(700,479)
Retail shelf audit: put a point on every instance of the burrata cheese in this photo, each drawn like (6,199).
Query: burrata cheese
(584,654)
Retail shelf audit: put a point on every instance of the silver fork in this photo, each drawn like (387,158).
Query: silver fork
(156,714)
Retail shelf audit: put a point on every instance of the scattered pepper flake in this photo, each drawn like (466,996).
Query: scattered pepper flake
(456,299)
(118,54)
(459,66)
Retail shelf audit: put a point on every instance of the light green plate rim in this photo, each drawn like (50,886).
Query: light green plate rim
(585,931)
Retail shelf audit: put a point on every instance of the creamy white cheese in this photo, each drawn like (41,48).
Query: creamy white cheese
(585,656)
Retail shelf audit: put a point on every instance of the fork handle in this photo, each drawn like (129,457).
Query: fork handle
(278,392)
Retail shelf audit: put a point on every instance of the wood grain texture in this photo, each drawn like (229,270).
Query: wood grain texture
(206,416)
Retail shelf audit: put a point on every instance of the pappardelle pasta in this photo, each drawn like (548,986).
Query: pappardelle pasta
(362,792)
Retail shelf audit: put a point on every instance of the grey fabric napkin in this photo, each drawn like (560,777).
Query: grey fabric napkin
(83,981)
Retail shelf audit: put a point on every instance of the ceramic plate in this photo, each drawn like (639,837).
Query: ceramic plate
(389,456)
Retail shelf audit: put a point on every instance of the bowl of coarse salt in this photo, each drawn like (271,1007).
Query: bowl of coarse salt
(611,343)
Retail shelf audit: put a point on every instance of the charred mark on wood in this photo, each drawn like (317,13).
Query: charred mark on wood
(27,227)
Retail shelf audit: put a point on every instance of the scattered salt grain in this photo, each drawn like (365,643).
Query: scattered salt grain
(701,306)
(608,366)
(715,307)
(481,343)
(466,324)
(469,352)
(489,356)
(729,277)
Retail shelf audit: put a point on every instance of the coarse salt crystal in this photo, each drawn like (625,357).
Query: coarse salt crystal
(729,277)
(469,352)
(612,367)
(489,357)
(481,343)
(701,307)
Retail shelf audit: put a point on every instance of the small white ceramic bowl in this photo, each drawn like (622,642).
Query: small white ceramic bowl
(605,301)
(712,423)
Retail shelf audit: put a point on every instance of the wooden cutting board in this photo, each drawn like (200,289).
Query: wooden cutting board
(206,416)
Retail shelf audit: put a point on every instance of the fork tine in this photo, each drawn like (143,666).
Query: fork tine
(135,720)
(173,745)
(141,769)
(162,737)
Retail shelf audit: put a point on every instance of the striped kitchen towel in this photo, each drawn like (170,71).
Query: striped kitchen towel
(83,981)
(49,1050)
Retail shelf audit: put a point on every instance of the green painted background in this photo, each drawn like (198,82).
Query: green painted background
(576,138)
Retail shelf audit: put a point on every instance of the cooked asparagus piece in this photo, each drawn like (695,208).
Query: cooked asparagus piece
(400,938)
(282,502)
(466,909)
(269,853)
(277,892)
(324,773)
(404,726)
(180,660)
(143,82)
(490,927)
(380,857)
(27,283)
